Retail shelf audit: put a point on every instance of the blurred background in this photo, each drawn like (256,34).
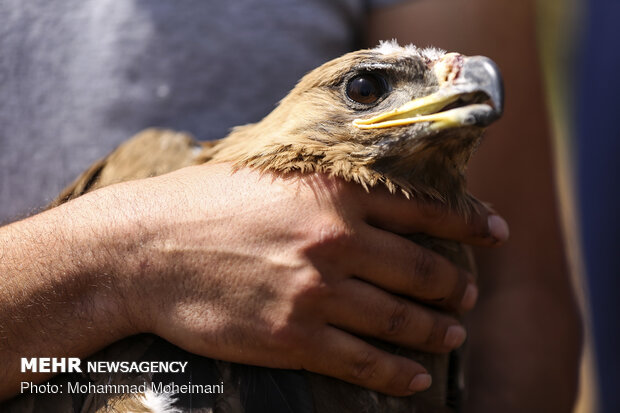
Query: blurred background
(579,46)
(579,55)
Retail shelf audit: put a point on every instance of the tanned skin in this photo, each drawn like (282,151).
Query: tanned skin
(251,276)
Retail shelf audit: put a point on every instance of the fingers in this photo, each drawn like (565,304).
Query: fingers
(364,309)
(351,359)
(405,216)
(404,267)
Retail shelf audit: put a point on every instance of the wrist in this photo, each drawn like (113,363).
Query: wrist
(104,240)
(128,232)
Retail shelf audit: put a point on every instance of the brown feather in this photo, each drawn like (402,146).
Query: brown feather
(151,152)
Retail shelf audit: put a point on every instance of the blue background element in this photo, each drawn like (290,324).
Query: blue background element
(597,124)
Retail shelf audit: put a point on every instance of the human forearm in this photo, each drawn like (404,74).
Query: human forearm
(57,272)
(242,267)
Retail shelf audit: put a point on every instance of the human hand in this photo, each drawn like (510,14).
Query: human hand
(282,272)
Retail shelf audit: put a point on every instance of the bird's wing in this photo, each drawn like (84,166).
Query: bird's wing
(151,152)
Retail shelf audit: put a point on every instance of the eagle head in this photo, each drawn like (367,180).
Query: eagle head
(407,117)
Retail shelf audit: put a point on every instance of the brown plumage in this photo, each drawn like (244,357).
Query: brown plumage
(402,117)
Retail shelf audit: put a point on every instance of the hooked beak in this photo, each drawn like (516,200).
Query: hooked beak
(471,93)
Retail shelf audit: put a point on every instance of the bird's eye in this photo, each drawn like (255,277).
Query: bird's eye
(366,88)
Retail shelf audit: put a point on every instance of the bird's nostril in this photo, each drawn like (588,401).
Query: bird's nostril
(448,68)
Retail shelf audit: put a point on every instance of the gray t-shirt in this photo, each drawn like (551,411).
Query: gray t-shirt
(77,77)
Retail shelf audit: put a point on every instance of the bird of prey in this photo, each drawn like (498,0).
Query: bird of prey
(404,117)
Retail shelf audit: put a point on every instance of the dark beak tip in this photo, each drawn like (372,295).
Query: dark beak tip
(482,74)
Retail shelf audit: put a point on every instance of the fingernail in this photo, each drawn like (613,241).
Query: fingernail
(469,297)
(498,228)
(455,336)
(420,382)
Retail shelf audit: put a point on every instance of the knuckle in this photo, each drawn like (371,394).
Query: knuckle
(329,232)
(308,284)
(435,335)
(448,295)
(397,320)
(398,382)
(365,366)
(443,302)
(424,266)
(286,336)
